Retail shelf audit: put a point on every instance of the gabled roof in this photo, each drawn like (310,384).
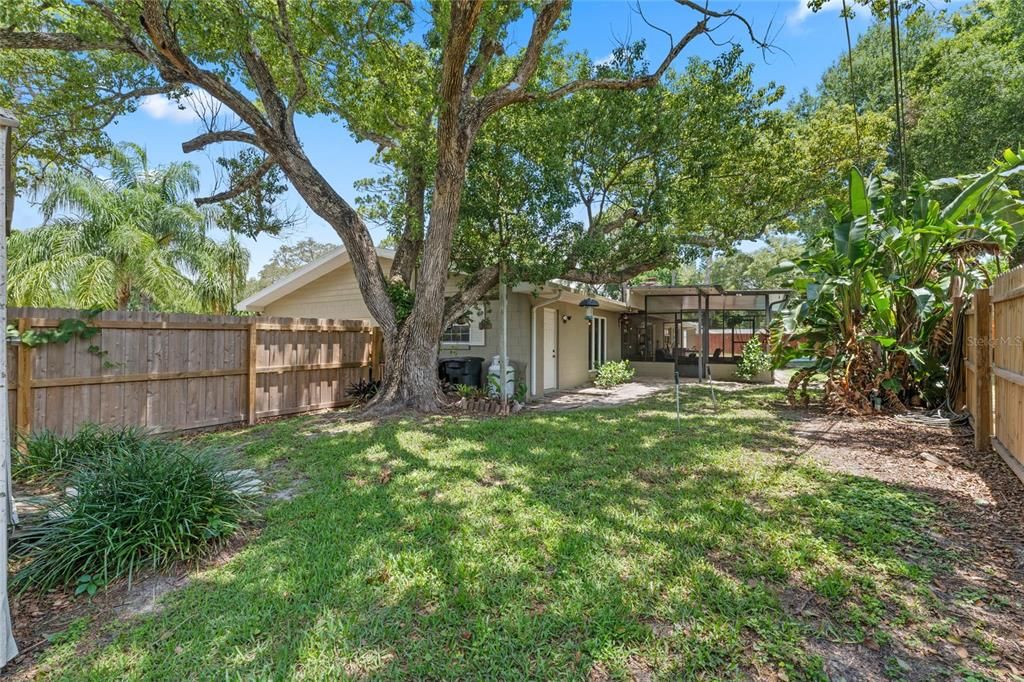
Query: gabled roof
(338,257)
(330,261)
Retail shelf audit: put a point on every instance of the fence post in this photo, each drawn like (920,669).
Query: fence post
(960,399)
(983,373)
(23,410)
(376,354)
(251,392)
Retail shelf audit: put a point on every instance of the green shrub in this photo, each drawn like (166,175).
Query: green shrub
(147,505)
(614,373)
(48,455)
(754,360)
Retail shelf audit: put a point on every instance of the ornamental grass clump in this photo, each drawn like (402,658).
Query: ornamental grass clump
(47,455)
(146,505)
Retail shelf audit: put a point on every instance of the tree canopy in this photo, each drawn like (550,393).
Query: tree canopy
(133,238)
(434,90)
(963,78)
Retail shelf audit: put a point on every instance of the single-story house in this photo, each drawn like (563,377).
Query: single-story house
(697,330)
(550,343)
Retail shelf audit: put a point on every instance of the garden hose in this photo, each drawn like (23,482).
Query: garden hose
(946,413)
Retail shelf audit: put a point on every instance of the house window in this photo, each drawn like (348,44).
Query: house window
(466,333)
(597,342)
(457,333)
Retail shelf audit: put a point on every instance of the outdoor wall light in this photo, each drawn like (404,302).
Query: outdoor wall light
(588,305)
(566,318)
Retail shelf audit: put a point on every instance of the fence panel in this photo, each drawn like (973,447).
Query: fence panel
(173,372)
(1008,367)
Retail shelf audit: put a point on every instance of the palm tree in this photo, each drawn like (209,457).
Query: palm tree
(220,282)
(131,239)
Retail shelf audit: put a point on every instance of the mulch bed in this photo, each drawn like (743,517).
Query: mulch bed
(980,519)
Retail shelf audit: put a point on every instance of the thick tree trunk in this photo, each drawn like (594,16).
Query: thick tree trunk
(410,375)
(410,354)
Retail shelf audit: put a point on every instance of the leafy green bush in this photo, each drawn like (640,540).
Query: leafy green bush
(754,360)
(871,305)
(614,373)
(150,504)
(48,455)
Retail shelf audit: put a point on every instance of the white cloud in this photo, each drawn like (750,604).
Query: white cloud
(802,12)
(162,107)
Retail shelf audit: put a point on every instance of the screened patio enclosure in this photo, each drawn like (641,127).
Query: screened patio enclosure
(699,330)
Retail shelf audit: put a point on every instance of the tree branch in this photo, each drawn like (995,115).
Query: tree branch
(516,88)
(382,141)
(248,183)
(288,38)
(476,287)
(410,244)
(489,48)
(645,81)
(63,42)
(606,276)
(265,86)
(172,62)
(206,139)
(709,13)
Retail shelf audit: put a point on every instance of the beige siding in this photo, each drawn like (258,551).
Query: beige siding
(335,295)
(518,337)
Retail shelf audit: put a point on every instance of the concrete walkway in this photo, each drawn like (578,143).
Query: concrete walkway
(592,396)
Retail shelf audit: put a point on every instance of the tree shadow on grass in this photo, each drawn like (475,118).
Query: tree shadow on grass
(550,545)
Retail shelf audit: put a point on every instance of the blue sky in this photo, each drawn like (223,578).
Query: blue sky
(808,43)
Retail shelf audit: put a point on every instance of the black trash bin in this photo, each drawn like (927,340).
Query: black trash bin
(461,370)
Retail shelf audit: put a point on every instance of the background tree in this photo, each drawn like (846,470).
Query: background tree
(286,259)
(424,95)
(220,279)
(133,239)
(964,83)
(754,269)
(967,90)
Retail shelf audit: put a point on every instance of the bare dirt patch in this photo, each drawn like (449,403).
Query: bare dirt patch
(37,617)
(978,609)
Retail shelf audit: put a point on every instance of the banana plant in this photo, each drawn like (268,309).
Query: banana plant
(872,309)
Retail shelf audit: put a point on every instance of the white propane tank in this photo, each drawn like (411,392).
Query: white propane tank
(495,371)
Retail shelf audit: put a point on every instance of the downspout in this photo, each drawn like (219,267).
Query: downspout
(533,340)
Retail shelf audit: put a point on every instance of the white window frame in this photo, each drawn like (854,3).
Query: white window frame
(477,336)
(597,354)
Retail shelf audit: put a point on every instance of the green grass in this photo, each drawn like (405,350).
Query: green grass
(541,546)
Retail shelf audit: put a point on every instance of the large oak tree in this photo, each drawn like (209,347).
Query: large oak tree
(423,96)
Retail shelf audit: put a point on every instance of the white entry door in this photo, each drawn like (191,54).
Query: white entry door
(550,349)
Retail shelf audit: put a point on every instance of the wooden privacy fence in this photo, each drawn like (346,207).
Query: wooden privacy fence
(173,372)
(994,367)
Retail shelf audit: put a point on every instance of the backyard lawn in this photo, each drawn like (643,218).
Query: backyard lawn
(587,544)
